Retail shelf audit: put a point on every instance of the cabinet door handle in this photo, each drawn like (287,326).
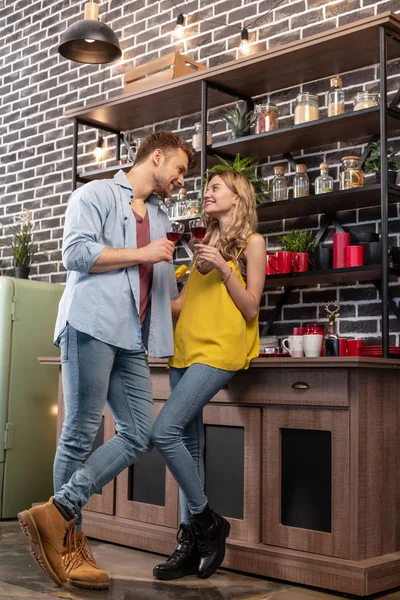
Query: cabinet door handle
(300,385)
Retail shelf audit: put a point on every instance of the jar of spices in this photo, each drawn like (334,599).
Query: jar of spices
(351,174)
(336,98)
(301,183)
(194,207)
(364,100)
(196,139)
(307,108)
(266,118)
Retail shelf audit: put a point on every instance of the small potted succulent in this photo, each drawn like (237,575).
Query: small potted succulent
(301,243)
(22,248)
(239,120)
(372,163)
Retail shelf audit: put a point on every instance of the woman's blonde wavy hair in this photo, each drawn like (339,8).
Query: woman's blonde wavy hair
(243,223)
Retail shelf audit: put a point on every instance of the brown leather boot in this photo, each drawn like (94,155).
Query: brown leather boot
(46,528)
(80,565)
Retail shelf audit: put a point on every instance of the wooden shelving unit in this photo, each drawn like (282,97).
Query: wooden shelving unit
(361,553)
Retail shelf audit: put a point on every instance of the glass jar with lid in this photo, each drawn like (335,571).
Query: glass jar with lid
(324,182)
(196,139)
(194,206)
(336,98)
(307,108)
(170,207)
(182,204)
(266,117)
(364,100)
(279,185)
(301,183)
(351,174)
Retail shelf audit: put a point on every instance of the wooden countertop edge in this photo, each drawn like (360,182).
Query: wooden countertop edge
(257,363)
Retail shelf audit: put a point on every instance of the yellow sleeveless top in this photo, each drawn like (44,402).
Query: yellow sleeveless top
(211,330)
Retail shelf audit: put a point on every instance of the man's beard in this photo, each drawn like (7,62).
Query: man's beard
(161,187)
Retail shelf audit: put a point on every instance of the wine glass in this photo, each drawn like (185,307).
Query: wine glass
(174,232)
(198,229)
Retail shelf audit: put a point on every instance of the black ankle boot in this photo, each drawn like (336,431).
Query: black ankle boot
(210,540)
(184,560)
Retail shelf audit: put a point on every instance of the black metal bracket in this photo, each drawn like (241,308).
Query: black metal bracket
(224,90)
(367,149)
(395,100)
(276,311)
(290,160)
(129,149)
(98,126)
(392,304)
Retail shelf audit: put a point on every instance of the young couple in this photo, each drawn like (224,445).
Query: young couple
(118,302)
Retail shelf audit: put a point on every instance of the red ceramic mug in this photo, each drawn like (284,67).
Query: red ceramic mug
(300,261)
(342,347)
(340,243)
(353,347)
(354,256)
(272,264)
(285,261)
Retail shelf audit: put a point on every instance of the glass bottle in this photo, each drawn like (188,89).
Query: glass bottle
(324,182)
(279,185)
(336,98)
(170,208)
(307,108)
(301,183)
(331,338)
(182,209)
(351,174)
(196,139)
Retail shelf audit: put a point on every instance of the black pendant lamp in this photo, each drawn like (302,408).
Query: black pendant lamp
(90,41)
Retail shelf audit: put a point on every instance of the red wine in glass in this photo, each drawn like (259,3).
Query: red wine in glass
(174,236)
(199,232)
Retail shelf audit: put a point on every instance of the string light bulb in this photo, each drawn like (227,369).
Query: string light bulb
(98,151)
(244,46)
(179,31)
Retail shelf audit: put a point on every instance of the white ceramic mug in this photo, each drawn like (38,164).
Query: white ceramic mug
(294,345)
(312,344)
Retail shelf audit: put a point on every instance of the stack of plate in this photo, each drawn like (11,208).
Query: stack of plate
(376,351)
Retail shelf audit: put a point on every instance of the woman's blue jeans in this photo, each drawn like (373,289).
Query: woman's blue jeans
(178,432)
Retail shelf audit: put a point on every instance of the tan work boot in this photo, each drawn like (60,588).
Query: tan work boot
(46,528)
(80,565)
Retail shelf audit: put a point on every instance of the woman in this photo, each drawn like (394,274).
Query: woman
(216,335)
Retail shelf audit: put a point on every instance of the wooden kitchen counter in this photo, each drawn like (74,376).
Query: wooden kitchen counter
(302,457)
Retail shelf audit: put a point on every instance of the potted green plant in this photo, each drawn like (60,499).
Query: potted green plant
(372,163)
(238,119)
(301,244)
(247,167)
(22,248)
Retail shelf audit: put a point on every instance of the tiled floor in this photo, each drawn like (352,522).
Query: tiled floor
(130,570)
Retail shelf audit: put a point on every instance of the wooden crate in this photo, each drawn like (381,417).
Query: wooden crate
(157,71)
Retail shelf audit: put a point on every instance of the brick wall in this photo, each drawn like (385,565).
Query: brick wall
(38,86)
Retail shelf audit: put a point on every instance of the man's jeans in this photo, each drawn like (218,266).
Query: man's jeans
(94,373)
(178,432)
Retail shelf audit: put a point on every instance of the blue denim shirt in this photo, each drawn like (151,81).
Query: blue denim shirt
(105,305)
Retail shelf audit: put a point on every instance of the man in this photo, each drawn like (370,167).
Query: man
(116,305)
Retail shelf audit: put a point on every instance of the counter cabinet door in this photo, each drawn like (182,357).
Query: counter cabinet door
(146,491)
(104,501)
(233,467)
(306,480)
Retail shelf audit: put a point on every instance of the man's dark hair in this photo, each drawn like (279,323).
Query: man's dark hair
(165,141)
